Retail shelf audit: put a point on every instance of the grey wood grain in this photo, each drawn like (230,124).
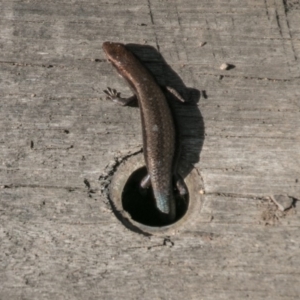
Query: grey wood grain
(59,236)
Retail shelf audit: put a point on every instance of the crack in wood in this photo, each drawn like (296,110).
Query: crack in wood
(248,77)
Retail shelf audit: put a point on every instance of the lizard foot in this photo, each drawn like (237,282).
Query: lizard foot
(112,94)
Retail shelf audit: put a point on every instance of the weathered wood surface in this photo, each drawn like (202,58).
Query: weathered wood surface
(59,240)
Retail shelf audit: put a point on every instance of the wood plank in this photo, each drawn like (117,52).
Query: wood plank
(59,236)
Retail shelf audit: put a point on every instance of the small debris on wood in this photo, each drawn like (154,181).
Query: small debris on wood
(203,92)
(224,66)
(283,202)
(203,44)
(87,183)
(167,242)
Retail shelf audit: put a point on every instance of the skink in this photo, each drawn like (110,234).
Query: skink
(159,136)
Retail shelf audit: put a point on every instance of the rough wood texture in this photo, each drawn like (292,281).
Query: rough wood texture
(59,238)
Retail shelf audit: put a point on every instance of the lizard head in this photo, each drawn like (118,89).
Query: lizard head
(121,58)
(116,53)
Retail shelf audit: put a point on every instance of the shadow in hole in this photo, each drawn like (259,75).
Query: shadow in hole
(189,127)
(144,210)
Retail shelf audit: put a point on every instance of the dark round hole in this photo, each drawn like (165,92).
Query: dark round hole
(140,203)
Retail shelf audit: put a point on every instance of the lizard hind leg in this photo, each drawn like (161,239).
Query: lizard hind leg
(144,185)
(180,185)
(181,196)
(146,182)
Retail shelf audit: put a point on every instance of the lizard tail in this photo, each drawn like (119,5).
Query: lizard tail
(166,205)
